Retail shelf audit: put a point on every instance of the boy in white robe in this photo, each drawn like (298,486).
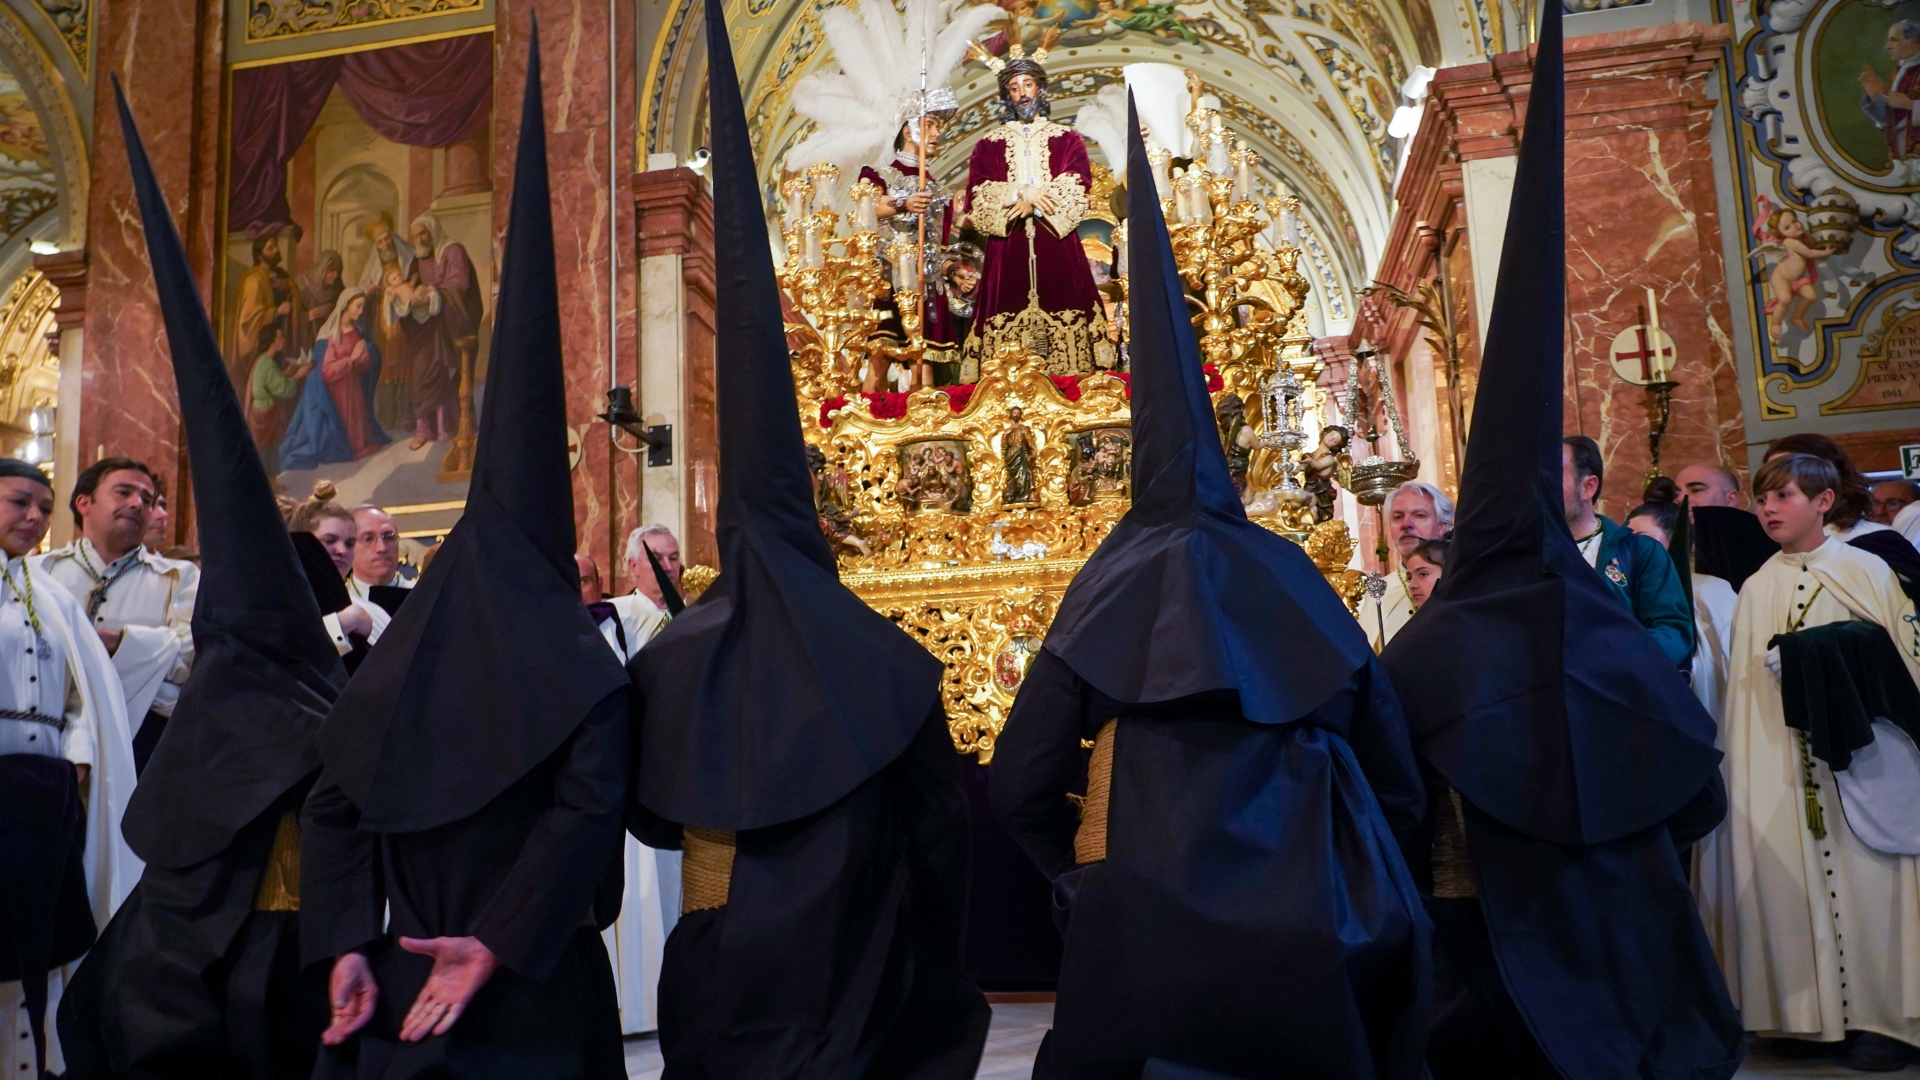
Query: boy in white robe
(1817,932)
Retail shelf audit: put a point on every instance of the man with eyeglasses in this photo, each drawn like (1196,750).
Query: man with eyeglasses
(376,568)
(140,603)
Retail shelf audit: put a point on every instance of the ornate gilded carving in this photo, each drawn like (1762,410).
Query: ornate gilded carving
(899,529)
(269,20)
(74,20)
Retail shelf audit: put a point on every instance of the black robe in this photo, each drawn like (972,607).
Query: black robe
(189,980)
(522,874)
(1595,950)
(837,953)
(46,916)
(1253,915)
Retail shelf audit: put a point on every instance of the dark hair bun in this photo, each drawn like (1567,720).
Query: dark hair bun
(1661,489)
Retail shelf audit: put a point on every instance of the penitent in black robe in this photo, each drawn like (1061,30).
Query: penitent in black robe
(190,979)
(837,953)
(1253,916)
(521,874)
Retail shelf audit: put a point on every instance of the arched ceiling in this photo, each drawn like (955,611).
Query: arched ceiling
(1310,84)
(46,109)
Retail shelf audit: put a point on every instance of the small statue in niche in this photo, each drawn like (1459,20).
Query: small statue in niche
(1230,413)
(833,502)
(1323,468)
(933,476)
(1017,451)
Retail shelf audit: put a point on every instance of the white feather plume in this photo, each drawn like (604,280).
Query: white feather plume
(858,110)
(1103,121)
(1160,97)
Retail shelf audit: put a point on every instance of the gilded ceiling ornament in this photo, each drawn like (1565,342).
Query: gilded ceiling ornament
(271,20)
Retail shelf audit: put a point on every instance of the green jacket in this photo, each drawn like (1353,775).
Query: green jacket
(1641,573)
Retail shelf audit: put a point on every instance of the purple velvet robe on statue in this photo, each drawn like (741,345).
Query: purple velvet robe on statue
(1067,315)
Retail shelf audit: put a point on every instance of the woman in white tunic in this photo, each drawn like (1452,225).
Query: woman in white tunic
(1817,932)
(63,733)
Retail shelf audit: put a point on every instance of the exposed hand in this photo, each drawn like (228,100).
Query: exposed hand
(1773,661)
(1897,100)
(1039,200)
(352,993)
(81,772)
(285,308)
(918,202)
(461,966)
(354,620)
(319,314)
(109,638)
(1872,83)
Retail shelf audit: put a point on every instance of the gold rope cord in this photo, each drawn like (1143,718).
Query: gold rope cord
(280,883)
(1816,820)
(1090,839)
(1452,869)
(706,869)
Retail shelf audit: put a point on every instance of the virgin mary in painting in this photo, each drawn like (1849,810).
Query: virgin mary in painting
(334,421)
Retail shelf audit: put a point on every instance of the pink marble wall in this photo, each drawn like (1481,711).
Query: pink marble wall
(590,161)
(128,403)
(1641,211)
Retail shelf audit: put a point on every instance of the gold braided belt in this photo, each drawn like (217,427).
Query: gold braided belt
(1090,839)
(280,883)
(706,869)
(1452,866)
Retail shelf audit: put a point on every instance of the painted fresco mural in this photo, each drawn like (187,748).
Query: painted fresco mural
(1826,131)
(357,293)
(29,187)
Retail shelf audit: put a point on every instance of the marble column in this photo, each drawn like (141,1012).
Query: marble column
(1641,211)
(675,215)
(167,54)
(587,61)
(67,270)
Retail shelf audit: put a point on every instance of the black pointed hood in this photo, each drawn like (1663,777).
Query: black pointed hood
(1532,690)
(1729,543)
(778,691)
(493,660)
(265,671)
(1186,595)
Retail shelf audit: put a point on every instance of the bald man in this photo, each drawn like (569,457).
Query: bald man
(1710,485)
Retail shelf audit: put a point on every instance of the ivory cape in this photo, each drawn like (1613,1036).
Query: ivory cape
(1816,937)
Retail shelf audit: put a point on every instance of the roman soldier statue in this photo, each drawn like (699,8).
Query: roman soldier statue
(1027,190)
(879,116)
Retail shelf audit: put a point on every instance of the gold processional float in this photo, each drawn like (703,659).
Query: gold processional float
(965,525)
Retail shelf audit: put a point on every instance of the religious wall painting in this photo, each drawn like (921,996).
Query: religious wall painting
(29,185)
(1827,168)
(935,476)
(356,298)
(1099,465)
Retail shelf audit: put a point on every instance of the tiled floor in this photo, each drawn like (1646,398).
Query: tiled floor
(1017,1030)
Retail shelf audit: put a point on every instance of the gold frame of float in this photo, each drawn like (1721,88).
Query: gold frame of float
(976,574)
(962,572)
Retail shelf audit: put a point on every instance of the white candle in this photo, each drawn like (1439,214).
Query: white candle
(1662,360)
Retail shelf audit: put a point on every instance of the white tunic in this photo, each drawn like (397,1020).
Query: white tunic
(149,599)
(67,675)
(1713,605)
(651,904)
(1816,937)
(1907,523)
